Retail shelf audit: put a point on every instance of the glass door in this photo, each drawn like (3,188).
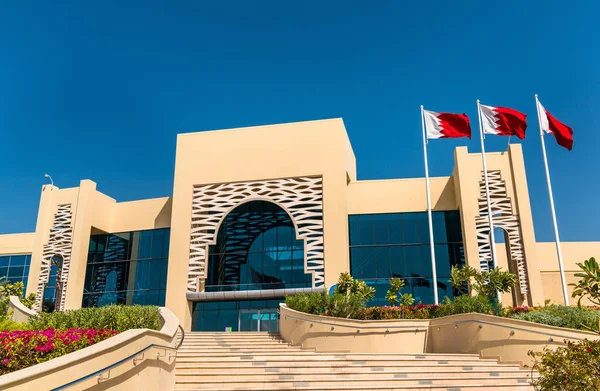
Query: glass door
(258,320)
(268,321)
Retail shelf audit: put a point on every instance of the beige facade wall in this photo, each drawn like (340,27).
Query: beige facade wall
(16,243)
(572,253)
(400,195)
(315,148)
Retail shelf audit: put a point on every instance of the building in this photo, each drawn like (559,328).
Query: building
(261,212)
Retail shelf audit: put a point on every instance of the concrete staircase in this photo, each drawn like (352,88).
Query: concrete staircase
(263,361)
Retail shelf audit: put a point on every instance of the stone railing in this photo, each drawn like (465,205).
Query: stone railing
(138,359)
(509,340)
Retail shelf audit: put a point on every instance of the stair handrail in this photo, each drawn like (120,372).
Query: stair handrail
(182,337)
(133,356)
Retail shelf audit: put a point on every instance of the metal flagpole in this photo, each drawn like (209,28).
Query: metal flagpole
(487,192)
(431,241)
(558,251)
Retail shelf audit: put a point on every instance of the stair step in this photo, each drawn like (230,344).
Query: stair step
(264,361)
(323,367)
(308,355)
(343,370)
(466,387)
(375,373)
(364,382)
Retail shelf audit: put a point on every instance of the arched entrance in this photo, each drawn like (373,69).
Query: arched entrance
(257,250)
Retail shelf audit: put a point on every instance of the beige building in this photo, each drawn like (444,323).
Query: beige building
(282,213)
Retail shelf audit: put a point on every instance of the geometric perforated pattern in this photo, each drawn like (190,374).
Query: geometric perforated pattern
(300,197)
(59,245)
(504,218)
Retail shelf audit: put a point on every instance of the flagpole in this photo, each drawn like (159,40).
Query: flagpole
(431,241)
(558,251)
(487,193)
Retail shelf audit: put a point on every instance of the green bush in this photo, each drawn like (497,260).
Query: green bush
(575,367)
(467,279)
(14,289)
(310,303)
(336,305)
(349,286)
(10,325)
(465,304)
(419,311)
(589,285)
(563,316)
(344,306)
(114,317)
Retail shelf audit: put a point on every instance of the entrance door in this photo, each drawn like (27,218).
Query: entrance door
(258,320)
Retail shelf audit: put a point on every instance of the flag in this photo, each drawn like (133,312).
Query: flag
(446,125)
(562,132)
(503,121)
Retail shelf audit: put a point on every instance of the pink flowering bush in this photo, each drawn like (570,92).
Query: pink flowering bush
(23,348)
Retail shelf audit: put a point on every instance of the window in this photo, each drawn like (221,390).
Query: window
(15,268)
(384,246)
(256,249)
(127,268)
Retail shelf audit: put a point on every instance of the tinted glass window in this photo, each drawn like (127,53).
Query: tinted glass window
(15,268)
(383,246)
(127,268)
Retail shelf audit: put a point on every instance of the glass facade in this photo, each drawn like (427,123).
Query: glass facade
(257,249)
(384,246)
(127,268)
(15,268)
(236,315)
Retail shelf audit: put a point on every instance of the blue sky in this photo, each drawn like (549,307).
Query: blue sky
(99,90)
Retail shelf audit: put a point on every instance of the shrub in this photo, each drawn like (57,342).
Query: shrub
(486,283)
(575,367)
(21,349)
(14,289)
(310,303)
(509,312)
(589,285)
(563,316)
(419,311)
(465,304)
(337,305)
(347,285)
(344,306)
(114,317)
(10,325)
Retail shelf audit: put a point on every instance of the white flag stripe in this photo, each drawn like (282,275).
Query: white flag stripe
(488,118)
(433,125)
(544,119)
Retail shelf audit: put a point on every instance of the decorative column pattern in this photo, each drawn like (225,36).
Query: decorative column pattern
(59,245)
(503,218)
(301,197)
